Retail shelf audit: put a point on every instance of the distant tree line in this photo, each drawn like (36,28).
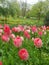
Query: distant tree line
(17,8)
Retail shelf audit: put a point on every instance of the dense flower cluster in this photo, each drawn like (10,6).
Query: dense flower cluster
(28,32)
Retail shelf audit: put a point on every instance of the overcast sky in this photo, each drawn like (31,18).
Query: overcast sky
(30,1)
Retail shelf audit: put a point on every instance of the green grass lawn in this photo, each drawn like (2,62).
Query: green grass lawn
(23,21)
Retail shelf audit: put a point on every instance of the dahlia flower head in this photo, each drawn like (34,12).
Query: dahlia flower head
(34,29)
(18,41)
(38,42)
(23,54)
(40,33)
(7,30)
(5,38)
(26,34)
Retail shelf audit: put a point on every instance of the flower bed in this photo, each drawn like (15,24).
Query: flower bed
(24,45)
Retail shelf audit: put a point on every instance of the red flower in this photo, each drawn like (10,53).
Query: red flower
(7,29)
(0,63)
(18,41)
(40,33)
(34,28)
(15,29)
(23,54)
(38,42)
(21,28)
(5,38)
(26,34)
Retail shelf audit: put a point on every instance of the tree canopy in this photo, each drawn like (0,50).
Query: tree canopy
(16,8)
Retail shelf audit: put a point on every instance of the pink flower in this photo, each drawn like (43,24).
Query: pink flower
(40,33)
(43,28)
(0,63)
(34,28)
(7,30)
(15,29)
(18,29)
(26,34)
(23,54)
(18,41)
(12,36)
(5,38)
(21,28)
(38,42)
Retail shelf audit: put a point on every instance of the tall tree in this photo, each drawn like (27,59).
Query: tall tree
(9,7)
(23,6)
(39,9)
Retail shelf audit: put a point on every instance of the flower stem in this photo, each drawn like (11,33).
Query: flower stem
(39,56)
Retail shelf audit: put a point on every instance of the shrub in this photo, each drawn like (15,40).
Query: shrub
(46,21)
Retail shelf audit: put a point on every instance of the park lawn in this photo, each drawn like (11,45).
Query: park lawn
(22,21)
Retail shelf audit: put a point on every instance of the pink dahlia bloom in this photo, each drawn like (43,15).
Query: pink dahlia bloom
(21,28)
(43,28)
(15,29)
(34,29)
(7,30)
(23,54)
(40,33)
(5,38)
(38,42)
(18,41)
(0,63)
(26,34)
